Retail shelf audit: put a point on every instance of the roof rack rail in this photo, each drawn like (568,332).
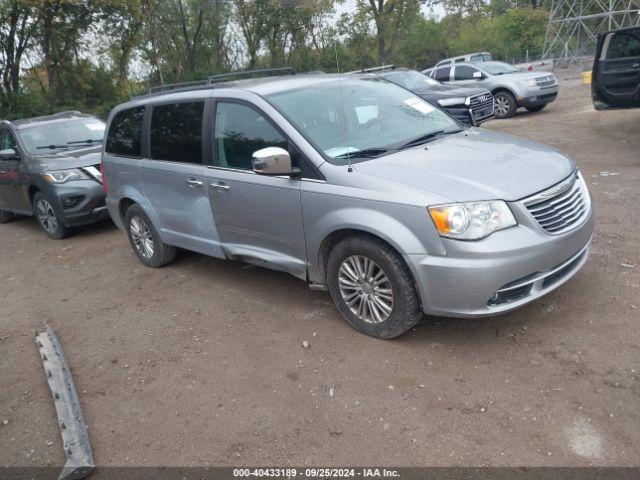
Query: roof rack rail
(177,86)
(373,69)
(213,79)
(250,73)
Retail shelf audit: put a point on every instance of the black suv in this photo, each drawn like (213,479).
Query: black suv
(469,105)
(615,80)
(50,168)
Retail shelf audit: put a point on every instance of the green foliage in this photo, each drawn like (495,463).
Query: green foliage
(92,54)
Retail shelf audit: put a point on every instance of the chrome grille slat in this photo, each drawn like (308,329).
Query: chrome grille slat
(576,202)
(562,211)
(537,207)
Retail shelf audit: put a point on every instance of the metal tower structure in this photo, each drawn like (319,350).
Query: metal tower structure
(574,25)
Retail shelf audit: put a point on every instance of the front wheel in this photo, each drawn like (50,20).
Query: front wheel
(504,105)
(145,241)
(47,218)
(372,287)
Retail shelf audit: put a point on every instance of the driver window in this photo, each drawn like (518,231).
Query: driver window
(239,131)
(464,72)
(7,141)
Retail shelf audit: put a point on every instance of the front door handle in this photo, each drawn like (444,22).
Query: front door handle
(194,183)
(636,65)
(2,172)
(221,187)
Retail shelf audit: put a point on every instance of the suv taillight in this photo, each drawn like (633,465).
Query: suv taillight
(104,179)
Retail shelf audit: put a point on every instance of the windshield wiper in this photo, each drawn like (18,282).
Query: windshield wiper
(90,141)
(427,137)
(367,152)
(52,147)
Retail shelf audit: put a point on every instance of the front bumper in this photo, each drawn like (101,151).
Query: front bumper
(502,272)
(88,202)
(537,96)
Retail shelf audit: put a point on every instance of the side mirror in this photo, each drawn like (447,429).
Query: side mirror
(9,154)
(478,75)
(272,161)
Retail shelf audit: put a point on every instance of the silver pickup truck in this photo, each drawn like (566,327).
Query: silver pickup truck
(511,87)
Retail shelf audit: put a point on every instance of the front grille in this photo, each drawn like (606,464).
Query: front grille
(556,276)
(481,106)
(510,295)
(562,206)
(546,81)
(547,96)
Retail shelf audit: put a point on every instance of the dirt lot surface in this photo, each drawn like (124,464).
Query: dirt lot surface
(202,363)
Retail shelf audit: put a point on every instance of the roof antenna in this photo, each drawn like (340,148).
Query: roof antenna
(335,46)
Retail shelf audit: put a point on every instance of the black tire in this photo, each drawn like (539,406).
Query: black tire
(406,309)
(160,253)
(537,108)
(48,218)
(5,216)
(505,105)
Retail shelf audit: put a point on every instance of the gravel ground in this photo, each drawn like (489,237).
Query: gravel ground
(202,363)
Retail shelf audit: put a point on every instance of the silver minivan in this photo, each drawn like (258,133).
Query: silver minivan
(351,184)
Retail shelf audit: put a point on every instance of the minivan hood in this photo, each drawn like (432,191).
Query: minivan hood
(64,159)
(473,165)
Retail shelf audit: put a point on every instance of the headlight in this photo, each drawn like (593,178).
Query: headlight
(449,102)
(64,176)
(530,82)
(471,221)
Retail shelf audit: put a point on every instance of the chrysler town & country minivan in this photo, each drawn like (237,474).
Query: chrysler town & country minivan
(352,184)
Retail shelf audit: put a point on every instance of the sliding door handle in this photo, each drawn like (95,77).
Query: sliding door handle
(636,65)
(193,183)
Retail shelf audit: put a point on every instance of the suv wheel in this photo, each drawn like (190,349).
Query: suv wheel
(47,218)
(145,241)
(5,216)
(372,287)
(504,105)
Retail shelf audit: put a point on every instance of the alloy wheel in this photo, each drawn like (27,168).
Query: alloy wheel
(46,216)
(141,237)
(366,289)
(502,106)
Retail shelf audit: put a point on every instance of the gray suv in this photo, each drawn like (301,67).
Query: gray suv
(511,88)
(50,168)
(354,185)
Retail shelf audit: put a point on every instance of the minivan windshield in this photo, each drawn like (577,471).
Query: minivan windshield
(412,80)
(63,134)
(497,68)
(356,118)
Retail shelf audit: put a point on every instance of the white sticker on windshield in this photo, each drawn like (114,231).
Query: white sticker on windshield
(96,127)
(419,105)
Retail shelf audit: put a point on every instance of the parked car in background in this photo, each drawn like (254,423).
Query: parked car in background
(511,87)
(469,57)
(615,79)
(50,168)
(352,184)
(469,105)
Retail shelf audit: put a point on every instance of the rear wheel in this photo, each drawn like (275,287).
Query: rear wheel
(372,287)
(537,108)
(504,105)
(47,218)
(5,216)
(145,241)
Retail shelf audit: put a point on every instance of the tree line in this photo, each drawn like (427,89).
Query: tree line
(92,54)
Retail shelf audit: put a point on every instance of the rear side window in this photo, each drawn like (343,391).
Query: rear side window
(463,72)
(125,132)
(442,74)
(176,132)
(623,45)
